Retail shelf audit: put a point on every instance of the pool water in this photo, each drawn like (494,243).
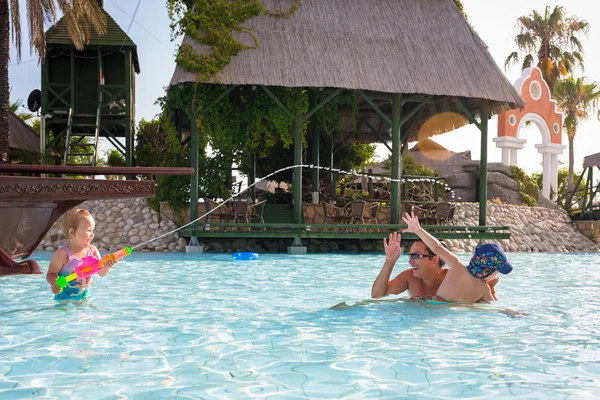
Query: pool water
(200,326)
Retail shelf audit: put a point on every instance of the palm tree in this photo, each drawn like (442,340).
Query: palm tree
(78,15)
(576,98)
(23,115)
(552,38)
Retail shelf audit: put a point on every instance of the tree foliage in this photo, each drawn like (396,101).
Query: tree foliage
(550,41)
(78,15)
(576,99)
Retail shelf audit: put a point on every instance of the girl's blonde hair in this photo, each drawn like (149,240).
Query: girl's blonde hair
(71,220)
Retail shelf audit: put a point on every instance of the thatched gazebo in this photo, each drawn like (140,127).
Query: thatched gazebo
(407,60)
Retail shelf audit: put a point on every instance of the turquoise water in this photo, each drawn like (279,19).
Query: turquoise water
(199,326)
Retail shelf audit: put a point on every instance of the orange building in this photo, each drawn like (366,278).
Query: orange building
(541,110)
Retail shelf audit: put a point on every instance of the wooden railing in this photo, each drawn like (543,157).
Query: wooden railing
(339,231)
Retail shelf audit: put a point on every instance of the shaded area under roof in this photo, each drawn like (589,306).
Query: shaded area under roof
(114,37)
(416,47)
(22,136)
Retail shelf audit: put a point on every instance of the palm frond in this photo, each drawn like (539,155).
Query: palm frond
(527,61)
(525,42)
(15,23)
(555,20)
(35,17)
(512,58)
(575,43)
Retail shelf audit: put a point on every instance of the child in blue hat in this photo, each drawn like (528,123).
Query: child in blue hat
(464,283)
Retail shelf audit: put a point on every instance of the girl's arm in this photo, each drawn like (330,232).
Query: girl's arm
(107,265)
(57,262)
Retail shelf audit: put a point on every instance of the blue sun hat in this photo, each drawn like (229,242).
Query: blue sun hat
(488,259)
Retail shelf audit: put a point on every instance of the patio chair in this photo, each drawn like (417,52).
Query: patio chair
(220,214)
(240,210)
(256,212)
(334,215)
(371,212)
(445,213)
(357,211)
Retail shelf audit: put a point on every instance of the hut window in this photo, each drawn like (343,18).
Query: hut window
(555,128)
(512,120)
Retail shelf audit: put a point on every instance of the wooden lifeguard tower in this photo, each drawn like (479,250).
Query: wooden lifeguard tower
(89,93)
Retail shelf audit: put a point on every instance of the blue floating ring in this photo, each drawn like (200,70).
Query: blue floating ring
(244,256)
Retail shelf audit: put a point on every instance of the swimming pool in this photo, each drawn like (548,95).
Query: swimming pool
(200,326)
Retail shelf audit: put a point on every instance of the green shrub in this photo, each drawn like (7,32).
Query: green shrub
(528,188)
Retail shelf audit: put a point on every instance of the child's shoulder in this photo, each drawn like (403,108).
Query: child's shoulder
(94,250)
(60,254)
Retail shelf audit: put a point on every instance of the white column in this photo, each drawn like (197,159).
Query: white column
(509,145)
(513,156)
(505,155)
(554,174)
(547,176)
(550,152)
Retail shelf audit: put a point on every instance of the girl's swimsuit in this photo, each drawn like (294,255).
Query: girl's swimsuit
(75,289)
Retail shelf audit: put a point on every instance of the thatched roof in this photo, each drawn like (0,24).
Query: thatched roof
(22,136)
(416,47)
(114,37)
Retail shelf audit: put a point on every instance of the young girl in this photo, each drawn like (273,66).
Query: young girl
(78,226)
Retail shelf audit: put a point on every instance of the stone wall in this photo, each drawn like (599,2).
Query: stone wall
(120,223)
(127,222)
(531,228)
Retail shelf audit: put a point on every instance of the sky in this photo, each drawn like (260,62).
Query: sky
(495,22)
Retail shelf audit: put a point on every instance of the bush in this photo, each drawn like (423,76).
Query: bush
(528,187)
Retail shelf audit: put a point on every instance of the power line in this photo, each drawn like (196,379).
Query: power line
(22,62)
(140,25)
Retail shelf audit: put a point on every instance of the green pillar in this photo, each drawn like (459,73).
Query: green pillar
(298,170)
(396,158)
(333,175)
(252,176)
(483,164)
(315,171)
(194,179)
(129,142)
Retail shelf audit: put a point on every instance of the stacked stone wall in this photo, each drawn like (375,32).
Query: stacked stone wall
(120,223)
(129,222)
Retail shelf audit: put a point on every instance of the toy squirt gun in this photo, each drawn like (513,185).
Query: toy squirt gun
(90,265)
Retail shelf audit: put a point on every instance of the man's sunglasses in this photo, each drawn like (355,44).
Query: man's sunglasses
(417,256)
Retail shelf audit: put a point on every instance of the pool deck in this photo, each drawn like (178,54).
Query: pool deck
(338,231)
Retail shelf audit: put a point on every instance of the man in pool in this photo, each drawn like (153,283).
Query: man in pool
(425,277)
(422,279)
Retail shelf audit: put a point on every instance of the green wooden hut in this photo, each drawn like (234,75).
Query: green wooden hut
(89,93)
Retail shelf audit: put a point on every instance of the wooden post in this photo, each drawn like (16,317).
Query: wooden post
(194,179)
(315,171)
(333,176)
(483,164)
(370,185)
(396,158)
(252,177)
(129,142)
(298,169)
(73,80)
